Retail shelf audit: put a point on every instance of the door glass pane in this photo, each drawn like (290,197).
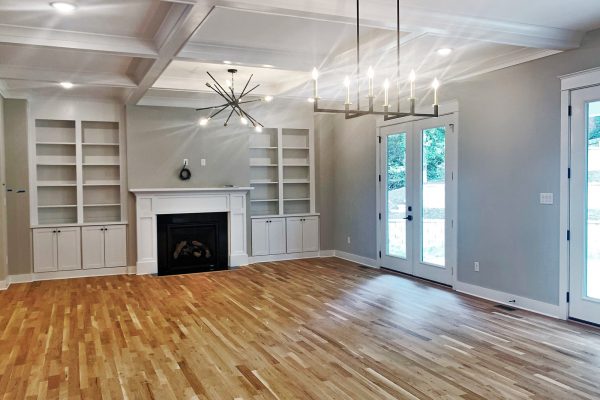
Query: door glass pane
(433,219)
(593,201)
(396,195)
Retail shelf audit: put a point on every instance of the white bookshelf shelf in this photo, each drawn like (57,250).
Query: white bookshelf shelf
(282,172)
(76,174)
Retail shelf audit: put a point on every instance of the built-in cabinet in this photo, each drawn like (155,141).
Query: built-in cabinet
(285,235)
(282,203)
(56,249)
(77,183)
(103,246)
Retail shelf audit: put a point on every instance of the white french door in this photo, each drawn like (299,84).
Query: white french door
(418,198)
(584,263)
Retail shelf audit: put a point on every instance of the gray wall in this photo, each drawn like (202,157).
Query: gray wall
(3,225)
(509,152)
(355,186)
(17,179)
(324,177)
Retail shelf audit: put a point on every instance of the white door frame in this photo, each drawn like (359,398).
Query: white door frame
(569,83)
(446,108)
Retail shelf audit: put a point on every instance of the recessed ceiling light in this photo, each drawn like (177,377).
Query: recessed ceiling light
(311,99)
(64,6)
(268,66)
(66,85)
(227,62)
(444,51)
(268,99)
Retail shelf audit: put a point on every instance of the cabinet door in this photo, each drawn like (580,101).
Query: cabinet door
(260,237)
(68,245)
(310,234)
(294,235)
(115,246)
(44,250)
(92,246)
(277,237)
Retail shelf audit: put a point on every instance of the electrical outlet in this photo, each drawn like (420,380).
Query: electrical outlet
(349,240)
(476,266)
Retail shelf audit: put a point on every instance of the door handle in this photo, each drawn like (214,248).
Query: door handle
(408,217)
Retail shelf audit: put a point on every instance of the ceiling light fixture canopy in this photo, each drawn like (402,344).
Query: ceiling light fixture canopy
(233,101)
(387,113)
(64,6)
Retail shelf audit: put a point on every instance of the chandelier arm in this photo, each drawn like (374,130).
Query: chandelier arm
(224,92)
(224,95)
(230,114)
(219,112)
(208,108)
(249,91)
(246,87)
(249,101)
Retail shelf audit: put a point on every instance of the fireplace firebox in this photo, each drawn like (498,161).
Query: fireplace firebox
(190,243)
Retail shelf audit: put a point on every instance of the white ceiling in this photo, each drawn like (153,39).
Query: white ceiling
(158,52)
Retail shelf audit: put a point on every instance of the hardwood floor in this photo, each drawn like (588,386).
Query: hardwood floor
(311,329)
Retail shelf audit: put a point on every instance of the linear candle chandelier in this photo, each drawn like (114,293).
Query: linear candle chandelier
(387,113)
(232,101)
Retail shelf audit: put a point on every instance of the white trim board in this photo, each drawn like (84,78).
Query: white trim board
(4,284)
(369,262)
(539,307)
(80,273)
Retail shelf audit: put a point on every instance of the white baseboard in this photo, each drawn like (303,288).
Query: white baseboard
(22,278)
(539,307)
(327,253)
(283,257)
(369,262)
(4,284)
(80,273)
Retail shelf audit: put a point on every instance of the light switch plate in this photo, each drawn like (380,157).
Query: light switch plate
(546,198)
(203,162)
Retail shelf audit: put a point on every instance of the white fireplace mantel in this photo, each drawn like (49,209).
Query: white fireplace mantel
(153,202)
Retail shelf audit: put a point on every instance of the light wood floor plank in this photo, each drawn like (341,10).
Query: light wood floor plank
(309,329)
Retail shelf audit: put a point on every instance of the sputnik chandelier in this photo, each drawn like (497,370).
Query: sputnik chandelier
(232,101)
(387,113)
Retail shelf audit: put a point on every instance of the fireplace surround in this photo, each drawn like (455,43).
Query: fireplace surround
(151,203)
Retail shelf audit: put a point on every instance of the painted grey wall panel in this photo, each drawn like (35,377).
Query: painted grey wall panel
(355,186)
(324,173)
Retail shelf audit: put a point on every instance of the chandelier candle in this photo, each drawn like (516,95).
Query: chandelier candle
(371,75)
(412,78)
(435,85)
(347,84)
(315,76)
(386,88)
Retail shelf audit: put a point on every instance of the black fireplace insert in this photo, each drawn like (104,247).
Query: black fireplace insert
(190,243)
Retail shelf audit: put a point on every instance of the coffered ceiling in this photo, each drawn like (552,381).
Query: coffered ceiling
(157,52)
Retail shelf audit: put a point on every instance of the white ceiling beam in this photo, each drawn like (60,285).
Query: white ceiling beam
(382,15)
(53,76)
(177,29)
(116,45)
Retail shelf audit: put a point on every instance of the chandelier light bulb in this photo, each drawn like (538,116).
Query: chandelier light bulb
(268,99)
(412,76)
(67,85)
(243,120)
(311,99)
(445,51)
(386,84)
(228,83)
(371,73)
(203,121)
(435,85)
(346,81)
(315,73)
(258,128)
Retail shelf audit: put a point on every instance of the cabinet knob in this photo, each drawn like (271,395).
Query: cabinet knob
(58,231)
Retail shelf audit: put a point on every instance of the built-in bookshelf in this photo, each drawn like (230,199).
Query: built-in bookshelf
(281,172)
(77,175)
